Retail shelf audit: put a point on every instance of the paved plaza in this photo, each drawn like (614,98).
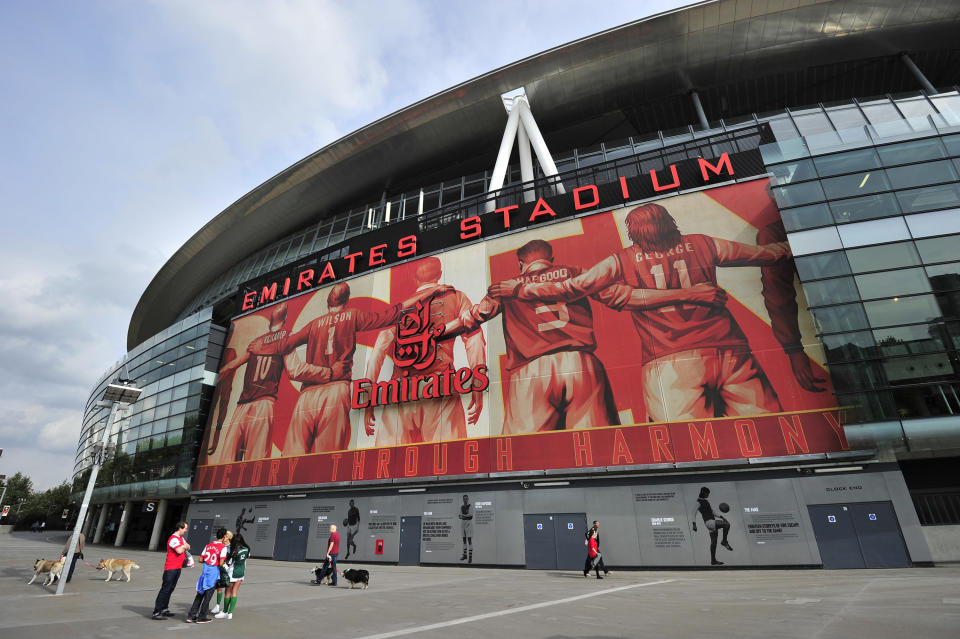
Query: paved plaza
(277,600)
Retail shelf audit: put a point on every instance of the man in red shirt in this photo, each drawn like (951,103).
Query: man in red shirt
(176,547)
(330,563)
(321,418)
(696,361)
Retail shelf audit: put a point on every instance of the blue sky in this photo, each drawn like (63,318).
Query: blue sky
(127,125)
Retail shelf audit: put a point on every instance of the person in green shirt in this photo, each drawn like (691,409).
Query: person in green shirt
(237,563)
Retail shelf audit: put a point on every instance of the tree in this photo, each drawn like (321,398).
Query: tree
(19,486)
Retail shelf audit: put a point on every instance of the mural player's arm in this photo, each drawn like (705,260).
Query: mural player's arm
(470,319)
(607,275)
(476,347)
(780,298)
(300,371)
(375,361)
(372,320)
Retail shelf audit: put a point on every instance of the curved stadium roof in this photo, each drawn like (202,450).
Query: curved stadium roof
(741,57)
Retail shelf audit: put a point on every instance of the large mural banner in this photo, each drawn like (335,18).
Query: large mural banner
(664,332)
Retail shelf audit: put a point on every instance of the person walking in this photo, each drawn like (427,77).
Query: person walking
(177,548)
(77,554)
(588,563)
(213,556)
(330,564)
(237,561)
(593,553)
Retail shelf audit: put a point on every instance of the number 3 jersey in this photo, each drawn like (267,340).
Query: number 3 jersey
(264,367)
(535,328)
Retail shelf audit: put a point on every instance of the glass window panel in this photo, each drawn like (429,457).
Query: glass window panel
(812,267)
(869,406)
(146,416)
(939,249)
(174,437)
(806,217)
(180,391)
(833,291)
(902,310)
(846,118)
(936,223)
(867,207)
(875,232)
(793,172)
(917,107)
(157,441)
(178,406)
(158,426)
(855,184)
(944,277)
(797,194)
(812,123)
(875,258)
(814,241)
(952,142)
(917,338)
(887,283)
(912,151)
(148,402)
(857,377)
(849,346)
(929,198)
(162,411)
(164,397)
(175,422)
(838,163)
(904,177)
(880,111)
(836,319)
(926,401)
(783,128)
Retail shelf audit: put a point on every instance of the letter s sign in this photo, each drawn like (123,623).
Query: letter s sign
(149,507)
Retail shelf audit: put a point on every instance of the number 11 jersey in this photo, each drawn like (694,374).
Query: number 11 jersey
(682,327)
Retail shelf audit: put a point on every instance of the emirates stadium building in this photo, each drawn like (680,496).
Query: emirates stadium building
(696,277)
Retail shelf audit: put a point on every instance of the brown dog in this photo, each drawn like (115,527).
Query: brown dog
(117,565)
(49,567)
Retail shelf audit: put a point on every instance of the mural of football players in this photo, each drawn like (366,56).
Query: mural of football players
(428,420)
(556,381)
(696,361)
(321,418)
(248,436)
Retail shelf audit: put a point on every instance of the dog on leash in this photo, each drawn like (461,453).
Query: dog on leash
(48,567)
(316,573)
(357,576)
(117,566)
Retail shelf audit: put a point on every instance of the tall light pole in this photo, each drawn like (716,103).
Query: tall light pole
(115,394)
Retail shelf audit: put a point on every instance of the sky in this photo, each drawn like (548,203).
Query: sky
(126,125)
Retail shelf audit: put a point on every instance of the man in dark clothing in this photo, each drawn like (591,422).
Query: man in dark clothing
(589,562)
(78,553)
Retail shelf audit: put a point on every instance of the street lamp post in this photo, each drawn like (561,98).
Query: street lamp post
(115,394)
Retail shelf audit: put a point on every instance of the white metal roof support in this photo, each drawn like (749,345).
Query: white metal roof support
(503,156)
(526,163)
(536,139)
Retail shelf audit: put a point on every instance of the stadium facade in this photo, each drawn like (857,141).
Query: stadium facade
(695,277)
